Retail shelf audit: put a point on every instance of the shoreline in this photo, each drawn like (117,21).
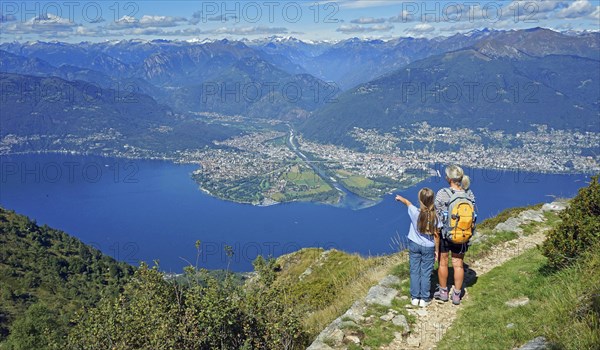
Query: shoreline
(270,202)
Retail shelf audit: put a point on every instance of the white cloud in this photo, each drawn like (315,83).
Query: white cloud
(355,28)
(596,14)
(402,17)
(146,22)
(253,30)
(421,28)
(577,9)
(368,20)
(48,23)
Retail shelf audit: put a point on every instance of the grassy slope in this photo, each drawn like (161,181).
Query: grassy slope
(564,307)
(336,280)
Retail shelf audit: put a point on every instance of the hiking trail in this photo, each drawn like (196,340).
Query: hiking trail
(433,321)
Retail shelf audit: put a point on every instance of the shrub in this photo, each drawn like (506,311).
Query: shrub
(200,313)
(37,329)
(579,229)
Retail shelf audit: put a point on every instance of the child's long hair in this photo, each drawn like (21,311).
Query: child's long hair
(428,221)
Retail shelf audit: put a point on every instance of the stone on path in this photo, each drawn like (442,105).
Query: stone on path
(387,317)
(381,295)
(413,341)
(421,312)
(353,339)
(400,320)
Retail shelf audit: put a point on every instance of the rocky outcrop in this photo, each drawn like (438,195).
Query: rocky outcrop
(381,295)
(339,332)
(528,216)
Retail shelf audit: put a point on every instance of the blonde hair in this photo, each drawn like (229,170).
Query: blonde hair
(457,175)
(465,182)
(427,221)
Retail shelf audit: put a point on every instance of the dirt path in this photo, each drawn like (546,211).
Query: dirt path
(433,321)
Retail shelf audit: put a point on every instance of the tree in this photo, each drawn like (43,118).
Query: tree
(37,329)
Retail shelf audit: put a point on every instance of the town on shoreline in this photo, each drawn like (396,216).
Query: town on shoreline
(269,163)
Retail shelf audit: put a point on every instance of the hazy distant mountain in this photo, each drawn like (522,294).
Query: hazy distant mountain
(355,61)
(193,63)
(540,42)
(38,105)
(254,88)
(58,54)
(249,77)
(10,63)
(467,88)
(60,108)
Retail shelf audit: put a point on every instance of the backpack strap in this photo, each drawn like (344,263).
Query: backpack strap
(449,192)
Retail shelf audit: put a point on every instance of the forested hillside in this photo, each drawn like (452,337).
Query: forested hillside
(45,277)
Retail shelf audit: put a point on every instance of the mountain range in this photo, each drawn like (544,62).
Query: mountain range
(326,88)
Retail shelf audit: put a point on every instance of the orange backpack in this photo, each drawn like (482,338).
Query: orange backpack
(459,220)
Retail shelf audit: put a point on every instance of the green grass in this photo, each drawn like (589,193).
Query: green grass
(380,333)
(564,307)
(336,281)
(304,184)
(359,182)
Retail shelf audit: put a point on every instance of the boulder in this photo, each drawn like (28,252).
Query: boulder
(352,339)
(381,295)
(532,215)
(554,206)
(356,312)
(400,320)
(510,225)
(336,336)
(387,317)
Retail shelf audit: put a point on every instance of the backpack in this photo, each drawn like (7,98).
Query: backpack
(459,219)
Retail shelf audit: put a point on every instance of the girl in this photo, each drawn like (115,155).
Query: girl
(421,246)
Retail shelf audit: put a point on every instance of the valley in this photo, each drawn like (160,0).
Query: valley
(280,120)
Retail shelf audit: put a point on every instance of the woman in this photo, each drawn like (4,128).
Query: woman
(457,181)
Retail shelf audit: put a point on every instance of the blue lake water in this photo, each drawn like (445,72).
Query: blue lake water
(145,210)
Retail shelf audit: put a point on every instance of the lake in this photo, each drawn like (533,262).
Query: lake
(146,210)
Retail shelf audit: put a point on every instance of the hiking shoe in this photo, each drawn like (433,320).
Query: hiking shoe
(441,294)
(415,302)
(456,297)
(424,303)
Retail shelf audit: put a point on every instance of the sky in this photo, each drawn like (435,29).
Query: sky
(76,21)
